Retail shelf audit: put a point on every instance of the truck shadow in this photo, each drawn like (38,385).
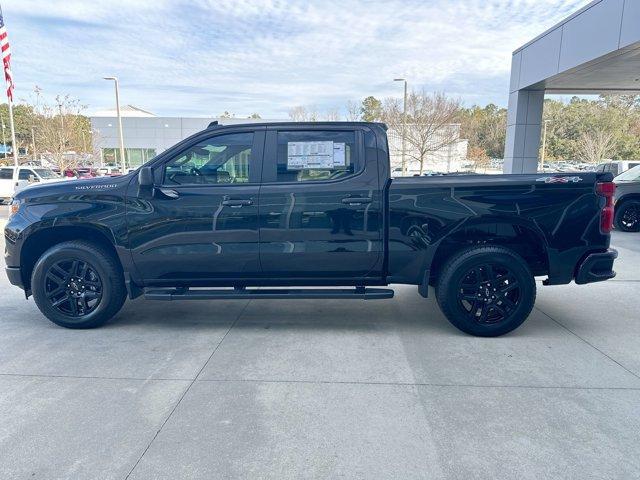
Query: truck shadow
(309,315)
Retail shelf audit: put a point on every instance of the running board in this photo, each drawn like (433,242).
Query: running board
(360,293)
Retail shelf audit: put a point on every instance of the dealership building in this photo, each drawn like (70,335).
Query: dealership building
(145,134)
(594,51)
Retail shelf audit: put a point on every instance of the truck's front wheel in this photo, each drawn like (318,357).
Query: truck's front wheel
(78,285)
(486,291)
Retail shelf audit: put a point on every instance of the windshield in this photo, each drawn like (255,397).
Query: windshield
(631,175)
(46,173)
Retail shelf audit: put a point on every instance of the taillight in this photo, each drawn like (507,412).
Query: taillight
(606,190)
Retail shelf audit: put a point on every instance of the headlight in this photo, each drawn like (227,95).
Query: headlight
(14,206)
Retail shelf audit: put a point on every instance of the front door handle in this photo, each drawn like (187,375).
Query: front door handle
(237,203)
(356,200)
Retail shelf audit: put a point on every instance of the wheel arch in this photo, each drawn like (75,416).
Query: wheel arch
(627,198)
(43,239)
(525,238)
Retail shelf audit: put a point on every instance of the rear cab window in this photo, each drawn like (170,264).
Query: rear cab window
(316,155)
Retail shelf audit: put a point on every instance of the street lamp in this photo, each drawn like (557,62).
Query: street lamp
(404,126)
(544,144)
(123,160)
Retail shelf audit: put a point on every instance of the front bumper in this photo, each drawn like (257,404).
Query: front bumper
(596,267)
(15,276)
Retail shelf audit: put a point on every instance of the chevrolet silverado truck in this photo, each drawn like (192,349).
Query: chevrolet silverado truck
(305,210)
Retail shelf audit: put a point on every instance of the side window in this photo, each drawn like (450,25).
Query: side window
(315,155)
(24,174)
(221,159)
(6,174)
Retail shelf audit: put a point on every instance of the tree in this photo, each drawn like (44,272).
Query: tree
(24,119)
(431,123)
(575,127)
(371,109)
(478,156)
(595,146)
(300,113)
(255,116)
(485,128)
(353,111)
(226,114)
(61,130)
(333,115)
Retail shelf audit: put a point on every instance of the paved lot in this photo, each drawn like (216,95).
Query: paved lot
(326,389)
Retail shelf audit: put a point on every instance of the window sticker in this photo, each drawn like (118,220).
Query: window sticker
(339,156)
(310,155)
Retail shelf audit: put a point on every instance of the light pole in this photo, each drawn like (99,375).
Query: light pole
(404,126)
(544,144)
(62,143)
(33,141)
(4,139)
(122,158)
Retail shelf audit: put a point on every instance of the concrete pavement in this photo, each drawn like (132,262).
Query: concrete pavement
(326,389)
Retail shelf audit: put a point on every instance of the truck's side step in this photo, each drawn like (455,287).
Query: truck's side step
(298,293)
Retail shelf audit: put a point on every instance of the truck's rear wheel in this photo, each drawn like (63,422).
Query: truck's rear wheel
(78,285)
(627,217)
(486,291)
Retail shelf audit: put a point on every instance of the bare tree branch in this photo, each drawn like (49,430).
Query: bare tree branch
(431,123)
(595,145)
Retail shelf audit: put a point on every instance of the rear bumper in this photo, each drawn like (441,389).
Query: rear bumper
(15,276)
(596,267)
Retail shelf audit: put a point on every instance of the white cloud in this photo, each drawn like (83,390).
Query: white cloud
(204,57)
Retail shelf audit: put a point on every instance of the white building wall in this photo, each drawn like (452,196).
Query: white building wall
(154,133)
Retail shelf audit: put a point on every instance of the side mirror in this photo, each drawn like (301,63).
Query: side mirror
(145,177)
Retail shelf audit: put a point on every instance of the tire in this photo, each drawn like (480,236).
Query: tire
(486,291)
(78,284)
(627,217)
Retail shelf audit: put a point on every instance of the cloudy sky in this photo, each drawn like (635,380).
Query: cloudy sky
(202,57)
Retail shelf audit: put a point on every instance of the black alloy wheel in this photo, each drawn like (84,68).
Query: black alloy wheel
(488,293)
(486,290)
(73,287)
(629,217)
(78,284)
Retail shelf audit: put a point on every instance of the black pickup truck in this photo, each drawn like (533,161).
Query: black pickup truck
(285,210)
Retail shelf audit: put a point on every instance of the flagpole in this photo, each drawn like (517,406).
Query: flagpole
(13,134)
(10,101)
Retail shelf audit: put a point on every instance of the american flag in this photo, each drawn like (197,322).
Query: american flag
(6,57)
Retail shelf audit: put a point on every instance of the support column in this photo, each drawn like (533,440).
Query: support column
(524,119)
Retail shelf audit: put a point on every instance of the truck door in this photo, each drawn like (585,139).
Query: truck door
(200,223)
(321,203)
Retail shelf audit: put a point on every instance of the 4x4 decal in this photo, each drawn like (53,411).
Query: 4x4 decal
(559,179)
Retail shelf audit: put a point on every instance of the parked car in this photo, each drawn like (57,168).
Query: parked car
(79,172)
(305,204)
(108,171)
(12,180)
(627,200)
(616,167)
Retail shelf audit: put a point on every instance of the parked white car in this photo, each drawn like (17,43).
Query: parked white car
(12,181)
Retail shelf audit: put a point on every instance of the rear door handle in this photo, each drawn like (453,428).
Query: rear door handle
(356,200)
(237,203)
